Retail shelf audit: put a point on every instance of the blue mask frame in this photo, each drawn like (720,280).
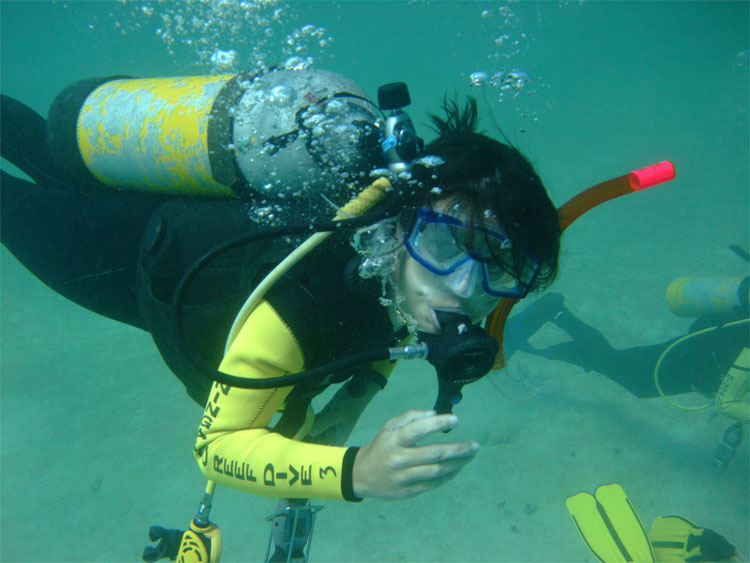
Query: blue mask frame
(428,216)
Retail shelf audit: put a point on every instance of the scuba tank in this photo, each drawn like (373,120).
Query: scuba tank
(693,297)
(283,138)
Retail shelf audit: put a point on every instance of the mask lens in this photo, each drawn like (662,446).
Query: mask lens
(434,243)
(442,244)
(499,280)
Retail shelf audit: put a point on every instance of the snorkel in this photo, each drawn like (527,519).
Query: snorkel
(570,211)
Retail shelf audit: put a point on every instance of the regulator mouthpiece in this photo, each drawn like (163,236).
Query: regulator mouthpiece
(462,353)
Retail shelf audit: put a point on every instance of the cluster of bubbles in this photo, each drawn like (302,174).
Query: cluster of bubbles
(377,245)
(502,76)
(507,46)
(306,155)
(742,60)
(505,81)
(227,35)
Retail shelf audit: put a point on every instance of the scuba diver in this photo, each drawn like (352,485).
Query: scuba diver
(162,203)
(696,367)
(712,359)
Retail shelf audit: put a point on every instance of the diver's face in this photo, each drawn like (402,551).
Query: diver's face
(423,292)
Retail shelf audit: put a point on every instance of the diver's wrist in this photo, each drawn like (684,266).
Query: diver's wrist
(349,489)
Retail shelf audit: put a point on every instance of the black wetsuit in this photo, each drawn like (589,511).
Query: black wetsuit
(695,365)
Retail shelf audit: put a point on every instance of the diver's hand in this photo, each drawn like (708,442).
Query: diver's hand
(393,466)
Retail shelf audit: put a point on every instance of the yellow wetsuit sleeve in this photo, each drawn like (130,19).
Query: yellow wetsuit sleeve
(236,448)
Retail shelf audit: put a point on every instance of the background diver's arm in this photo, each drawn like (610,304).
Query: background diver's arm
(334,423)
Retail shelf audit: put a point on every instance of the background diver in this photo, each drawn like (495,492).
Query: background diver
(711,359)
(698,366)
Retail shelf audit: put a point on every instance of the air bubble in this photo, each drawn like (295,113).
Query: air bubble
(430,161)
(254,28)
(281,95)
(380,173)
(478,78)
(297,63)
(224,61)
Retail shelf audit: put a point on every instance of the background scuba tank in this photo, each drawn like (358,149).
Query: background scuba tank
(278,137)
(694,297)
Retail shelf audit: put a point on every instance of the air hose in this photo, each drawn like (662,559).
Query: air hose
(730,398)
(572,210)
(352,216)
(356,207)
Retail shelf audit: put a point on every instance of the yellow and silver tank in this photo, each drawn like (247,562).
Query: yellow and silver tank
(283,135)
(694,297)
(151,134)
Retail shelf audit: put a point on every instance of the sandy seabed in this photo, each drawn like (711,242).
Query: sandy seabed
(97,437)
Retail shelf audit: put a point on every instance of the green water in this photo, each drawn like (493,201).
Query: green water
(96,433)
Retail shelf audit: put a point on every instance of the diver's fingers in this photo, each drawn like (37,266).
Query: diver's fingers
(390,466)
(417,429)
(418,480)
(406,418)
(436,454)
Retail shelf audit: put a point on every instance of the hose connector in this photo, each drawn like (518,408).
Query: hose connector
(409,352)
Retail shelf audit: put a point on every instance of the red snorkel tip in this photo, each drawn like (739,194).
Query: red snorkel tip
(651,175)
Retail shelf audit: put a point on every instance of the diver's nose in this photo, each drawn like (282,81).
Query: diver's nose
(464,279)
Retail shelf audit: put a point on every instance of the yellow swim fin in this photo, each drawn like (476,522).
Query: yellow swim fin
(610,526)
(677,539)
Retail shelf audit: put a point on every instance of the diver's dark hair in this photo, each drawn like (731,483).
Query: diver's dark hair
(480,174)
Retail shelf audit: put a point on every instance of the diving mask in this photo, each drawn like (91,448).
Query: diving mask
(467,257)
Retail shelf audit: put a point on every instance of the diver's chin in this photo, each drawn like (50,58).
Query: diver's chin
(434,324)
(424,320)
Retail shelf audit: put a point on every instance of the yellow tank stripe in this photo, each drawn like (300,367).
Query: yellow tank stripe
(151,134)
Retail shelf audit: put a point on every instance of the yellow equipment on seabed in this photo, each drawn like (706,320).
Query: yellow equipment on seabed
(611,528)
(292,525)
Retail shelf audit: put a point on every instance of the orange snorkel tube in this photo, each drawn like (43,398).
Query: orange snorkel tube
(572,210)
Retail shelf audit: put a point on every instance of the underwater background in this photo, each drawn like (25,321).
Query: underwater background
(96,433)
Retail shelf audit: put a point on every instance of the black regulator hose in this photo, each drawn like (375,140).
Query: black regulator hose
(178,298)
(310,374)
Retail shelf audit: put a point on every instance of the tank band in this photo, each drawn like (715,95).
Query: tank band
(224,167)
